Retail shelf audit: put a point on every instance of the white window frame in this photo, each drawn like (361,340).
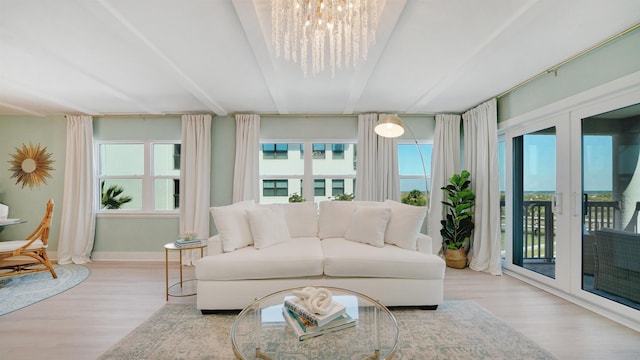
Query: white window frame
(148,181)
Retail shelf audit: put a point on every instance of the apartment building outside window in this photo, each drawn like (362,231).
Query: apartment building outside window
(326,165)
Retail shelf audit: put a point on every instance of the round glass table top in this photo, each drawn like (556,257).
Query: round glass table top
(260,331)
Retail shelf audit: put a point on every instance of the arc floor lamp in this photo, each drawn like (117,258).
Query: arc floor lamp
(392,126)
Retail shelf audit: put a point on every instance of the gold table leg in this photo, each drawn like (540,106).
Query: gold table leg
(166,273)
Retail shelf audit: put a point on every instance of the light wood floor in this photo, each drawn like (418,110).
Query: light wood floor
(85,321)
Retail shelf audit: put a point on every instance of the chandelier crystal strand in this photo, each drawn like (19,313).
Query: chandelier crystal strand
(356,32)
(317,31)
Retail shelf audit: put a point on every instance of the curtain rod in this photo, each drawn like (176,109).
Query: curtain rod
(233,114)
(554,69)
(138,115)
(337,115)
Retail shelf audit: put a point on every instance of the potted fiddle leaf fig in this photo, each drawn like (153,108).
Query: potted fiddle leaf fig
(457,225)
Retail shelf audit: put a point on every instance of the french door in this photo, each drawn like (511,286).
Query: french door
(572,201)
(611,204)
(540,212)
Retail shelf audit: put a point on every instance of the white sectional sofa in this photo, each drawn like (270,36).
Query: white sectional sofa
(374,248)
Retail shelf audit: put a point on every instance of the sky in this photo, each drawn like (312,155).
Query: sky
(540,163)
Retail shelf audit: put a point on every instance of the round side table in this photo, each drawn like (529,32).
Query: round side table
(183,287)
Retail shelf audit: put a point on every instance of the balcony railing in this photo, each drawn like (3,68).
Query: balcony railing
(539,228)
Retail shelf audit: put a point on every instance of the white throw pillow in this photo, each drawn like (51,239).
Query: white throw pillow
(233,225)
(368,225)
(335,216)
(302,218)
(405,224)
(268,226)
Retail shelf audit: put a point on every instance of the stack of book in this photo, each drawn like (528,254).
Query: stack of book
(307,324)
(187,242)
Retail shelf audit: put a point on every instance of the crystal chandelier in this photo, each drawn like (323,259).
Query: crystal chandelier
(300,27)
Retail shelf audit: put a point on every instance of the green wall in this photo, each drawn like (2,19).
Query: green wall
(113,234)
(26,203)
(612,61)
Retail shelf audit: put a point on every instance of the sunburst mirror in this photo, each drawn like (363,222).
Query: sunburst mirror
(31,165)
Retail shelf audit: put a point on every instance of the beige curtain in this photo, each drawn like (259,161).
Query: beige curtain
(445,161)
(481,159)
(195,184)
(77,226)
(246,175)
(377,174)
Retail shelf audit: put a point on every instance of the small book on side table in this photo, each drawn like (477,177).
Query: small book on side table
(187,242)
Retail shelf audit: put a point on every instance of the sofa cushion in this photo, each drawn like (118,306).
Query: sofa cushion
(268,226)
(405,224)
(302,218)
(368,225)
(233,225)
(335,216)
(351,259)
(294,258)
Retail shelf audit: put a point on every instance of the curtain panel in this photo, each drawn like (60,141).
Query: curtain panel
(377,175)
(246,174)
(481,159)
(445,161)
(195,184)
(77,226)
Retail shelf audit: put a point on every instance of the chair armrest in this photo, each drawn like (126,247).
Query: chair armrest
(214,245)
(424,244)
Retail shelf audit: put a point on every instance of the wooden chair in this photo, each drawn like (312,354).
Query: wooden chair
(25,256)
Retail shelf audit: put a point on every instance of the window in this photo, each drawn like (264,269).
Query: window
(337,151)
(315,167)
(318,151)
(337,187)
(275,188)
(275,151)
(412,174)
(319,187)
(138,176)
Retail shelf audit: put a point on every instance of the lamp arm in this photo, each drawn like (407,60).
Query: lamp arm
(424,169)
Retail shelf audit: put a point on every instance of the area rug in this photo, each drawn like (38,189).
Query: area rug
(19,291)
(458,330)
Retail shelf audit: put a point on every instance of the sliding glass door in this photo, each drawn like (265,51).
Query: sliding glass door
(540,225)
(534,235)
(572,203)
(610,204)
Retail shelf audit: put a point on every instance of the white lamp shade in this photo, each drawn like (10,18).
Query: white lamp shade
(391,126)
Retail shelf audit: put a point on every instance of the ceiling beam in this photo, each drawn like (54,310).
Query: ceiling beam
(457,72)
(386,23)
(185,80)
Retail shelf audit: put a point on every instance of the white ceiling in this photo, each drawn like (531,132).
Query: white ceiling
(215,56)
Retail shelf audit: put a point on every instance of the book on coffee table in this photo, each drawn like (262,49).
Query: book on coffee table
(295,305)
(305,330)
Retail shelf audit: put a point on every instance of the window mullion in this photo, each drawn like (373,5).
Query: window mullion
(147,179)
(309,188)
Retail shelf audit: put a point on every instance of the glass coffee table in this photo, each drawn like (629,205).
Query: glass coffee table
(261,332)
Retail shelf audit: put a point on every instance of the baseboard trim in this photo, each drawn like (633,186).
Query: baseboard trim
(125,256)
